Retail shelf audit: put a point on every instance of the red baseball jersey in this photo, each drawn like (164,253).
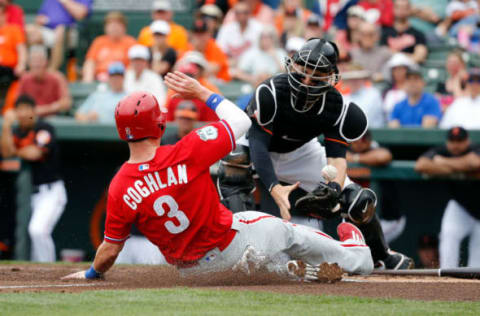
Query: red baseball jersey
(172,199)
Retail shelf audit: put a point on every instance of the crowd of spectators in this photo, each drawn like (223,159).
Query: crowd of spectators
(247,41)
(384,49)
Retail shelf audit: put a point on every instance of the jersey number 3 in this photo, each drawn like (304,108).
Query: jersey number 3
(173,212)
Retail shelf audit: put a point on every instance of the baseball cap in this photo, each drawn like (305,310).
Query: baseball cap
(200,26)
(457,133)
(116,68)
(357,11)
(186,109)
(160,27)
(196,58)
(161,5)
(190,69)
(314,20)
(138,52)
(211,10)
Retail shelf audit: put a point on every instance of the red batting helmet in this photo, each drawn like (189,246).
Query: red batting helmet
(138,116)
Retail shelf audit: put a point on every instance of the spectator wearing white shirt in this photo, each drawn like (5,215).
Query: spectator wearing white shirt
(100,105)
(465,111)
(259,63)
(364,95)
(139,78)
(235,38)
(396,75)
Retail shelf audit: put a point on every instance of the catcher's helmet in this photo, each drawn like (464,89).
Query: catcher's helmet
(139,116)
(318,55)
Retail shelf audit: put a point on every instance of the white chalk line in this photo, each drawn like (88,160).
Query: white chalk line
(9,287)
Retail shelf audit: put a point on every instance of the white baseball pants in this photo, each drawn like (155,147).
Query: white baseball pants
(48,205)
(139,250)
(457,224)
(279,241)
(304,164)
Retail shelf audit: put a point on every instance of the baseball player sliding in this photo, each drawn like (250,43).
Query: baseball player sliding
(169,195)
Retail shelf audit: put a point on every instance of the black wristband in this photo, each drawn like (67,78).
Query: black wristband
(336,186)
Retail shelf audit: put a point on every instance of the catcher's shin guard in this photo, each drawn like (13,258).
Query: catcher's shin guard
(372,231)
(358,207)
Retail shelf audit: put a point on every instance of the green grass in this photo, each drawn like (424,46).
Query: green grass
(185,301)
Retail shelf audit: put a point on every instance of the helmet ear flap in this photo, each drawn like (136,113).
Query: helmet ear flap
(335,48)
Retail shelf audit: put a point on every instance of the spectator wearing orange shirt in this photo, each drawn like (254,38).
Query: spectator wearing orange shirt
(203,42)
(108,48)
(48,88)
(291,18)
(13,52)
(14,13)
(261,12)
(178,37)
(193,64)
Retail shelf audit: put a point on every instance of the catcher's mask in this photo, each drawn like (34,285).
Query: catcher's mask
(316,56)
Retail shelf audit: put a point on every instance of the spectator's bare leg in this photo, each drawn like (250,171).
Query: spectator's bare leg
(58,48)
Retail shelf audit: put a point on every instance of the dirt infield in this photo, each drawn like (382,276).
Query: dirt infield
(38,277)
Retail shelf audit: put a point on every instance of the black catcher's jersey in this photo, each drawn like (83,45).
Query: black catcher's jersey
(277,127)
(271,110)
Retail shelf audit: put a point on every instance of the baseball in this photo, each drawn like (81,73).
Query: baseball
(329,172)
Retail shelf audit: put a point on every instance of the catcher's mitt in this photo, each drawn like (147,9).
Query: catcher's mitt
(321,202)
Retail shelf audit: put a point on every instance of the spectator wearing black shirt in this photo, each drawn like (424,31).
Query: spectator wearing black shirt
(34,142)
(462,214)
(163,56)
(402,37)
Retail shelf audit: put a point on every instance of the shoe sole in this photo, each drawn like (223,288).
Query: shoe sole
(323,273)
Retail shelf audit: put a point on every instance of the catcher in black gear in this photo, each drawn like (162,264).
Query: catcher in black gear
(289,112)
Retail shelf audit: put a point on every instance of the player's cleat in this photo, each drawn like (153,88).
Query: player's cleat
(395,261)
(348,232)
(324,273)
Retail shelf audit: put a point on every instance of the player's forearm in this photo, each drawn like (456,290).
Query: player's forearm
(341,165)
(237,119)
(106,255)
(376,157)
(469,162)
(8,148)
(428,166)
(30,153)
(259,142)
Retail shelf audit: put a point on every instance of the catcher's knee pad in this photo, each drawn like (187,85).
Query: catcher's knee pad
(235,181)
(236,169)
(358,204)
(239,202)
